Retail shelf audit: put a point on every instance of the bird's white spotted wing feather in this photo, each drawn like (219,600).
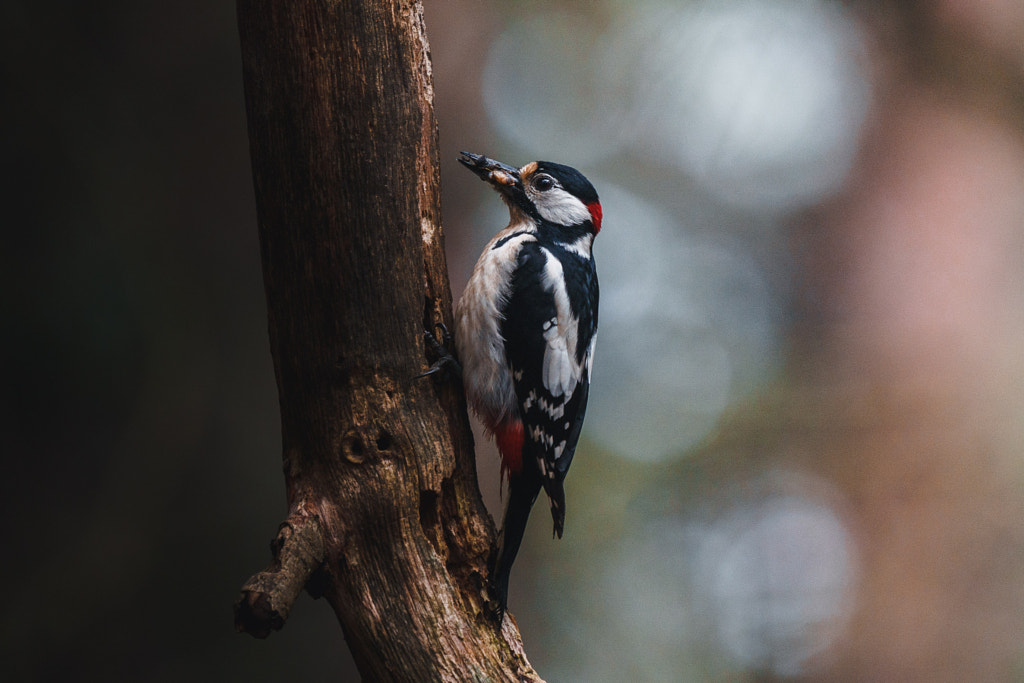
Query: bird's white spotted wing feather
(561,372)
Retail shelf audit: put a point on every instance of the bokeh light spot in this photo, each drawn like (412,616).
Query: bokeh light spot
(541,89)
(779,574)
(761,102)
(685,325)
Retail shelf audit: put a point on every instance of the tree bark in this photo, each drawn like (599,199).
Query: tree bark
(385,516)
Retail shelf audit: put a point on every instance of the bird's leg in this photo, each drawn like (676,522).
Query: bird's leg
(496,602)
(446,360)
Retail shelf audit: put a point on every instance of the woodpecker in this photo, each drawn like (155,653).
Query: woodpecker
(525,329)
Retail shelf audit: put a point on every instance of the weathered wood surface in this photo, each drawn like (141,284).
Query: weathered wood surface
(385,513)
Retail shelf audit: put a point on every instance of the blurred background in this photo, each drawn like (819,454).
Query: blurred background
(804,454)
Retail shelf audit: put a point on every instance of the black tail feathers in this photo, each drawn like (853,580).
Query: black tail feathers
(556,496)
(522,494)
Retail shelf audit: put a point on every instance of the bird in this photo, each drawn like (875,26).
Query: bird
(525,330)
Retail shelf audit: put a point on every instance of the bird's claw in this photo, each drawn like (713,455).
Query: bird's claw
(446,360)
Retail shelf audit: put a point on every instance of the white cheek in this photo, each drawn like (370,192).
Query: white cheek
(559,207)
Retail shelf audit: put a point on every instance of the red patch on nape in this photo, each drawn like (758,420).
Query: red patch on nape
(509,437)
(595,215)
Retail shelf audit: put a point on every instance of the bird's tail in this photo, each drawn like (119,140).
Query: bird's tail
(556,497)
(521,495)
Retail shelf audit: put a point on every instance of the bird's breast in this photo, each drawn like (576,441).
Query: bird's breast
(478,339)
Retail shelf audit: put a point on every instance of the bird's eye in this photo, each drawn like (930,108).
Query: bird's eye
(544,183)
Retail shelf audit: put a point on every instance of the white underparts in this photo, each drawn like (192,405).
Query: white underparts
(477,326)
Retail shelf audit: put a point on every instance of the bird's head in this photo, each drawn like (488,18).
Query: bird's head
(543,190)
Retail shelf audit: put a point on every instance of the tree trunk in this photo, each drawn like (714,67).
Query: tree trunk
(385,517)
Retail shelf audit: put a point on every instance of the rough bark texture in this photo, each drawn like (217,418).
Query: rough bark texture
(385,512)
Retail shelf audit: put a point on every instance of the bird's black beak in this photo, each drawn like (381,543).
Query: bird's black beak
(503,177)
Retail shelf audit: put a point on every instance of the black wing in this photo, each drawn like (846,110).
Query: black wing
(548,344)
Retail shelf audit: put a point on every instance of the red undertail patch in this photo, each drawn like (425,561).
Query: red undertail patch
(509,437)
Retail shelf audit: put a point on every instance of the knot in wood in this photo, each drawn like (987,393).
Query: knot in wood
(353,447)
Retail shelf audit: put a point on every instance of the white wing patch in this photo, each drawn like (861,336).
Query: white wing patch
(554,410)
(538,435)
(530,400)
(561,373)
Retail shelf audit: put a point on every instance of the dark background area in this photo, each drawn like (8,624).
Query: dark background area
(143,480)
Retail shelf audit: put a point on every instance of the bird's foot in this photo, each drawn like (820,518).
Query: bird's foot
(446,360)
